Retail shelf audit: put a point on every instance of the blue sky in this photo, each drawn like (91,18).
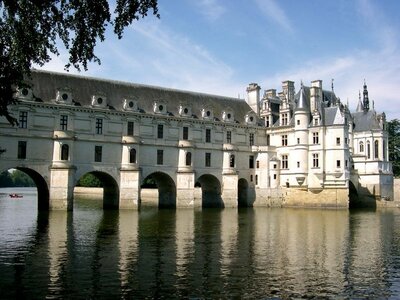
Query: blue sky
(220,46)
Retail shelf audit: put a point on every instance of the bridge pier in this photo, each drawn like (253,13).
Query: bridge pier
(129,194)
(61,187)
(185,190)
(230,190)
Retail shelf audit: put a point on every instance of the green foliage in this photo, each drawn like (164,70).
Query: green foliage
(89,180)
(394,145)
(149,183)
(16,178)
(30,30)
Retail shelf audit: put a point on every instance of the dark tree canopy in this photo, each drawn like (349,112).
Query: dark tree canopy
(394,145)
(30,31)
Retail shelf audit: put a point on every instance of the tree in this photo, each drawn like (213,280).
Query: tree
(394,145)
(30,30)
(89,180)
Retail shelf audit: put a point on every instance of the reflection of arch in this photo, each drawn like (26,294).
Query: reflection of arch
(64,152)
(210,191)
(243,189)
(166,189)
(110,189)
(41,185)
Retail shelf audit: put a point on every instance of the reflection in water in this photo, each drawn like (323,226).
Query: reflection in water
(209,253)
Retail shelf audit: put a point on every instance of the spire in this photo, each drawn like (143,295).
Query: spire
(365,98)
(359,105)
(302,103)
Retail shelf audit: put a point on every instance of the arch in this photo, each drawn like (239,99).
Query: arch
(41,186)
(376,150)
(64,152)
(188,159)
(166,190)
(353,196)
(361,145)
(132,156)
(243,193)
(110,189)
(210,191)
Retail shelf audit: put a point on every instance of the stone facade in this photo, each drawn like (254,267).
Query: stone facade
(275,149)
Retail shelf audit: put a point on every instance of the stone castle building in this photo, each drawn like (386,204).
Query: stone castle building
(274,149)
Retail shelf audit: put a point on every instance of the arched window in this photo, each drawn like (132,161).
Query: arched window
(361,147)
(232,161)
(368,150)
(384,150)
(64,152)
(376,150)
(188,158)
(132,156)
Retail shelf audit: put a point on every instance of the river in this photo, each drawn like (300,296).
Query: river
(258,253)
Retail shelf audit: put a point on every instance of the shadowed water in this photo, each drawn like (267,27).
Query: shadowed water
(214,253)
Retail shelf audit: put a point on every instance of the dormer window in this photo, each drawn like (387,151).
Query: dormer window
(99,101)
(207,113)
(227,116)
(64,96)
(250,118)
(185,111)
(25,94)
(130,105)
(159,108)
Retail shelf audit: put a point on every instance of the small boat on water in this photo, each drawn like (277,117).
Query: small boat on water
(13,195)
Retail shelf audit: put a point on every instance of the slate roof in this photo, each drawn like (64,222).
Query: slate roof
(45,85)
(365,121)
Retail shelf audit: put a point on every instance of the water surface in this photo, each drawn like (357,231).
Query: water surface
(214,253)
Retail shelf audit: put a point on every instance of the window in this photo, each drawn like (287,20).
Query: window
(256,179)
(338,141)
(208,135)
(132,156)
(208,160)
(130,129)
(316,122)
(160,131)
(384,150)
(63,122)
(23,119)
(251,162)
(376,150)
(284,140)
(99,126)
(232,161)
(361,145)
(298,140)
(346,163)
(284,119)
(285,164)
(274,166)
(315,138)
(274,176)
(268,139)
(267,122)
(185,133)
(64,152)
(258,164)
(98,153)
(368,150)
(160,157)
(298,122)
(251,139)
(315,160)
(188,158)
(21,149)
(345,141)
(338,164)
(298,164)
(228,137)
(251,178)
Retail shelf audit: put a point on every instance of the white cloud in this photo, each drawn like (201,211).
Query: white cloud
(275,13)
(211,9)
